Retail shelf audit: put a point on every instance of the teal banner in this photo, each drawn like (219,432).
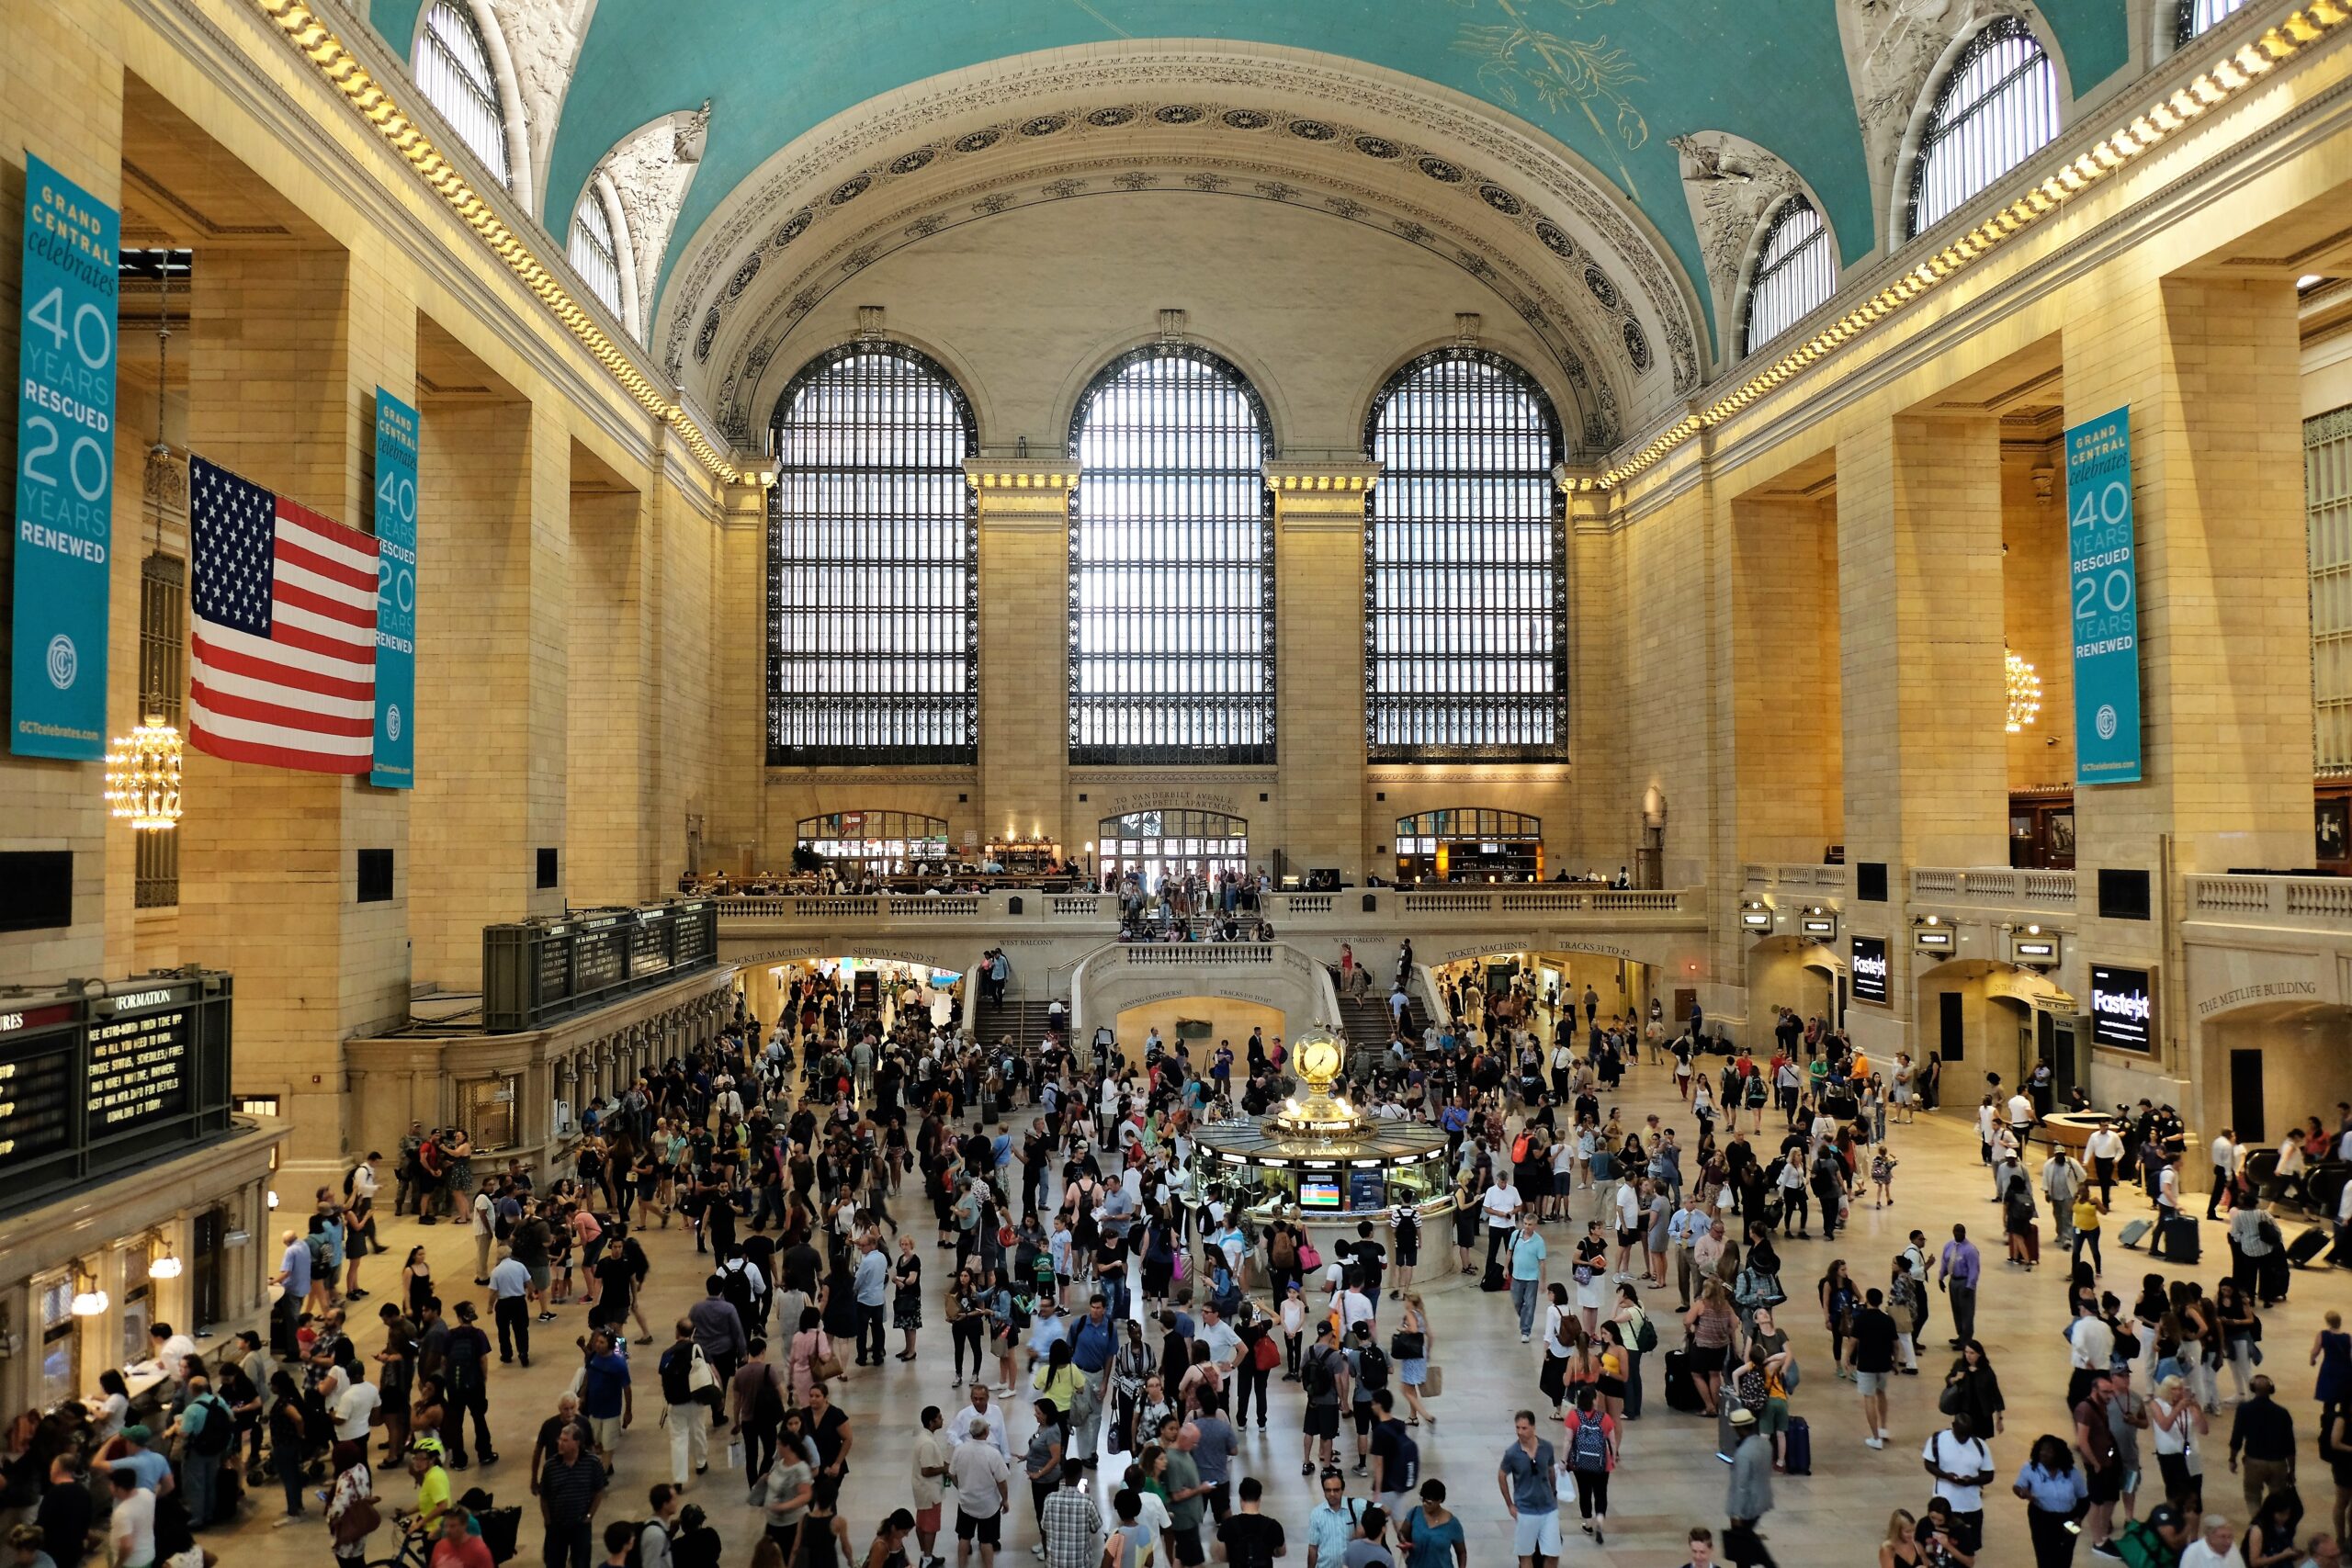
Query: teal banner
(395,756)
(2105,599)
(65,373)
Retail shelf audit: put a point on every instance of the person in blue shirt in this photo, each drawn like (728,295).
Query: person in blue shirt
(2054,1490)
(1332,1523)
(150,1470)
(605,1398)
(1530,1492)
(1527,1254)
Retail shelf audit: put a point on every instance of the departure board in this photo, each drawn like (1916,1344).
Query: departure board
(138,1067)
(38,1105)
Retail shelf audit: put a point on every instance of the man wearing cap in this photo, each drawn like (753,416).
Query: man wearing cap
(150,1470)
(1750,1495)
(2156,1541)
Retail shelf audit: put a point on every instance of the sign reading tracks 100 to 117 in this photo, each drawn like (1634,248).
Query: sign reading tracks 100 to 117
(64,504)
(2106,600)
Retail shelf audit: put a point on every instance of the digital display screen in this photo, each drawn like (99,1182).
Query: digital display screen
(138,1069)
(1319,1192)
(37,1107)
(1870,969)
(1367,1190)
(2123,1008)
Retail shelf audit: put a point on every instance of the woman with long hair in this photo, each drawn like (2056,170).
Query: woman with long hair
(1712,1323)
(1412,1371)
(1839,1301)
(1900,1549)
(1979,1391)
(1562,1333)
(2054,1492)
(966,1323)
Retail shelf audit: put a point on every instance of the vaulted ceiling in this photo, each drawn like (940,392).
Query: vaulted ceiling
(1542,141)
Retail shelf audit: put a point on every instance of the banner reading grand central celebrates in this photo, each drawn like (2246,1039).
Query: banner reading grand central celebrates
(64,499)
(395,753)
(2106,600)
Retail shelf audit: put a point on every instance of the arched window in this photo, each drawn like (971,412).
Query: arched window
(453,69)
(873,606)
(594,254)
(1172,565)
(1465,566)
(2203,16)
(1155,845)
(1796,270)
(1998,105)
(1469,845)
(888,843)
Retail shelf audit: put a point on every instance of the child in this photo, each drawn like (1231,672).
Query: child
(1883,1176)
(1059,1247)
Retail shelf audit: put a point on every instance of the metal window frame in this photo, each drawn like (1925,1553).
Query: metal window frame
(1379,705)
(481,120)
(1785,270)
(1202,704)
(1946,120)
(2187,25)
(962,705)
(592,226)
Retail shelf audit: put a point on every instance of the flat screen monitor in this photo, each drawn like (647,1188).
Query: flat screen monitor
(1318,1193)
(1367,1190)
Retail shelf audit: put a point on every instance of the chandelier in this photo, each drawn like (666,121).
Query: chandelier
(2025,690)
(144,776)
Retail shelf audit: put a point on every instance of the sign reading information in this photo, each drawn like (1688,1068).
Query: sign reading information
(2105,599)
(394,763)
(65,509)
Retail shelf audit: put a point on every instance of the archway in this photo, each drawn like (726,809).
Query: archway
(1807,978)
(1554,981)
(2269,1066)
(1982,1020)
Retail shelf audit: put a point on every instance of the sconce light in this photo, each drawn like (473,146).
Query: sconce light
(89,1299)
(272,1199)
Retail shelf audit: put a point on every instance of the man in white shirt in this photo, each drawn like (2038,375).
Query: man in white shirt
(984,1415)
(1501,1205)
(353,1405)
(1961,1465)
(2211,1549)
(2167,1202)
(2105,1148)
(981,1474)
(363,1176)
(2225,1154)
(2021,1116)
(131,1525)
(485,1227)
(2091,1346)
(1224,1344)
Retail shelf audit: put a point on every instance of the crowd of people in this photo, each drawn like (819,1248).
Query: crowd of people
(1111,1341)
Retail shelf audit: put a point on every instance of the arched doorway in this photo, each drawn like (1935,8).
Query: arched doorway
(1980,1018)
(1807,978)
(1155,845)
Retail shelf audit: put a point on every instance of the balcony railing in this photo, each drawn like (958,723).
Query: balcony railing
(1405,909)
(1823,878)
(1997,886)
(2283,900)
(1155,956)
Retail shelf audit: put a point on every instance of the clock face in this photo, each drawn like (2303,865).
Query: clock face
(1319,1058)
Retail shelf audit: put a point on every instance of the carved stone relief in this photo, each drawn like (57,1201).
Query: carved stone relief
(1892,48)
(651,169)
(1733,186)
(543,36)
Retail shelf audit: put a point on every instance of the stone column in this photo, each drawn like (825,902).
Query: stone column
(608,778)
(494,477)
(2209,370)
(286,348)
(1922,693)
(1318,663)
(1024,643)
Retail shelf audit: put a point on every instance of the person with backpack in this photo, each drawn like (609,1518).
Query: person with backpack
(1395,1456)
(465,1363)
(682,1398)
(209,1430)
(1591,1455)
(1369,1372)
(1323,1372)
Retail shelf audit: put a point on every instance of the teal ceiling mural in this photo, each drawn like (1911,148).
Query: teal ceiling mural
(1614,79)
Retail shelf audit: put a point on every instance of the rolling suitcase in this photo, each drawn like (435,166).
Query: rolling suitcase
(1681,1387)
(2134,1232)
(1796,1448)
(2181,1240)
(2306,1246)
(2271,1277)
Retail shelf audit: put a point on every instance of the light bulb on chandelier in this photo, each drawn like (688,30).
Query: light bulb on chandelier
(2025,691)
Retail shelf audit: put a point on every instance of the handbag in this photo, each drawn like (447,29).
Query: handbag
(1434,1382)
(1952,1400)
(1403,1347)
(1266,1357)
(826,1364)
(1308,1258)
(357,1522)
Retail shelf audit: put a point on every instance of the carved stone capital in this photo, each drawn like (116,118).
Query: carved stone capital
(1022,493)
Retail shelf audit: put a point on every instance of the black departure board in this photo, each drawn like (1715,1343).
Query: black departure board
(138,1068)
(39,1107)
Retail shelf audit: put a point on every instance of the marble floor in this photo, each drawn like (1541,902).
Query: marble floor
(1671,1478)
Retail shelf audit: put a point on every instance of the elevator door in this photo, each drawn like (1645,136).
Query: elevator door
(2245,1098)
(1952,1026)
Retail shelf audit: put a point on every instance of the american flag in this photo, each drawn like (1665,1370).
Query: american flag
(285,645)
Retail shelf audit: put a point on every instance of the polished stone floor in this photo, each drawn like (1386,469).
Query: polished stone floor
(1671,1478)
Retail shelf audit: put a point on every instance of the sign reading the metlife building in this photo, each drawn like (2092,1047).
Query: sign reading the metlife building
(1870,969)
(2106,600)
(394,764)
(2123,1008)
(64,504)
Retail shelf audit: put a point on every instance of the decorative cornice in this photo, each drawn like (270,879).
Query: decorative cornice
(995,475)
(1288,477)
(2219,83)
(320,44)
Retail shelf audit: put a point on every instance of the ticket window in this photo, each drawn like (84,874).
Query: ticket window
(137,1304)
(61,1342)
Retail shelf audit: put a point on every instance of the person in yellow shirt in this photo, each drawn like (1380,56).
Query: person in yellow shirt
(2086,1218)
(432,1487)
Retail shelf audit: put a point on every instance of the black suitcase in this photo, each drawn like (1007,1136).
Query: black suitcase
(2181,1240)
(2306,1246)
(1796,1448)
(1494,1280)
(2272,1275)
(1681,1386)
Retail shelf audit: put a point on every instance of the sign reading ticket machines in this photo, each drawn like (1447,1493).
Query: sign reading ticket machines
(2106,600)
(64,496)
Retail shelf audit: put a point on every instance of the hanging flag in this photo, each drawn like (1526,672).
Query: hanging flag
(284,672)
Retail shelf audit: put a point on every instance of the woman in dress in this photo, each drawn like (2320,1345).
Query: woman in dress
(905,1306)
(1591,1271)
(1413,1371)
(809,1345)
(2331,1353)
(416,1282)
